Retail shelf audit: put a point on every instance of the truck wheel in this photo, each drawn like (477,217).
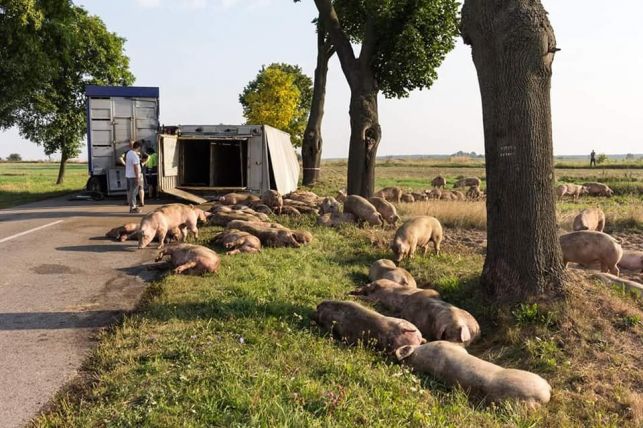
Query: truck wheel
(96,187)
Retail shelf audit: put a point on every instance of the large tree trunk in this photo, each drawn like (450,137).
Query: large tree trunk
(61,170)
(365,138)
(513,48)
(312,145)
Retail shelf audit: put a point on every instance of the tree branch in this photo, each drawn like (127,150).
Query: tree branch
(339,39)
(369,42)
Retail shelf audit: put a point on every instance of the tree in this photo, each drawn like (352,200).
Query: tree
(312,144)
(271,84)
(14,157)
(513,45)
(601,158)
(402,44)
(78,50)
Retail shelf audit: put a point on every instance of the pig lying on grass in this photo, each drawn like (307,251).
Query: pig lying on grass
(123,233)
(353,323)
(192,259)
(223,218)
(386,269)
(273,234)
(588,247)
(414,233)
(334,220)
(273,200)
(238,198)
(631,260)
(391,194)
(330,205)
(590,219)
(436,319)
(387,209)
(363,210)
(453,365)
(169,217)
(238,241)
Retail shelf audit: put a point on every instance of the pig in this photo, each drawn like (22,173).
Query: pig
(447,195)
(459,196)
(237,198)
(387,209)
(574,190)
(341,196)
(273,200)
(439,320)
(330,205)
(123,233)
(598,189)
(263,209)
(290,210)
(192,259)
(467,182)
(435,194)
(272,234)
(631,260)
(334,220)
(590,219)
(453,365)
(363,210)
(474,193)
(386,269)
(407,197)
(302,207)
(588,247)
(238,241)
(389,294)
(158,222)
(416,232)
(391,194)
(223,218)
(353,323)
(438,182)
(309,198)
(419,196)
(220,208)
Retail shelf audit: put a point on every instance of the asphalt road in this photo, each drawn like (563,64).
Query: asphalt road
(60,281)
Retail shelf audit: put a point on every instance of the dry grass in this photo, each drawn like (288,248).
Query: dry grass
(455,214)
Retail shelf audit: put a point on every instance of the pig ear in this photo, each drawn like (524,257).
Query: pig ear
(465,335)
(404,352)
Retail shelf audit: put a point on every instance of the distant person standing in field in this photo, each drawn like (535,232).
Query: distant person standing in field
(592,159)
(134,176)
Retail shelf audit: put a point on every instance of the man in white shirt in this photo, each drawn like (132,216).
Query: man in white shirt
(134,176)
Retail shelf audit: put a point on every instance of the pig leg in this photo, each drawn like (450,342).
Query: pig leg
(436,246)
(185,266)
(233,252)
(412,249)
(161,233)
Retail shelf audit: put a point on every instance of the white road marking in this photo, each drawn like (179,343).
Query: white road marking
(8,238)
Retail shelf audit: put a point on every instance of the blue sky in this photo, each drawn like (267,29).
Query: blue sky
(201,53)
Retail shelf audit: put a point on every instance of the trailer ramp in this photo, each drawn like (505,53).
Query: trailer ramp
(181,194)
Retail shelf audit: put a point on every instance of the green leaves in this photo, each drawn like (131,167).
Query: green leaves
(280,96)
(55,49)
(409,41)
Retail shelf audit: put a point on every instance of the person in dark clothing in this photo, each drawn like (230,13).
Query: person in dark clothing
(592,159)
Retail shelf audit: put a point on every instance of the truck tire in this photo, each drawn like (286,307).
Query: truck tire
(96,186)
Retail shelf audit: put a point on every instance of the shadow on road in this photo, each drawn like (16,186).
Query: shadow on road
(56,320)
(99,248)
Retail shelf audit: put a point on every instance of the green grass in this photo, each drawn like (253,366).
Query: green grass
(237,348)
(24,182)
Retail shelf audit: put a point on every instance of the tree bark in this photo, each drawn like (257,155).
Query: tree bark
(312,144)
(513,45)
(365,128)
(61,169)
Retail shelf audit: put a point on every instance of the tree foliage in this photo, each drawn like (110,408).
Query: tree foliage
(75,49)
(14,157)
(405,40)
(279,96)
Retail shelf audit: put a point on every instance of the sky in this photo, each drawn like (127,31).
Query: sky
(201,53)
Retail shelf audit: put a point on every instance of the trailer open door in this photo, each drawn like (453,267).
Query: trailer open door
(169,169)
